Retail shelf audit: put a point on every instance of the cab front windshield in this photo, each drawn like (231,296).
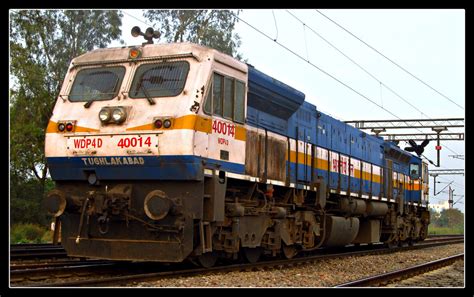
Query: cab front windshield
(102,83)
(164,79)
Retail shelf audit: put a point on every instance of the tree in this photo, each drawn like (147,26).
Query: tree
(451,218)
(42,44)
(212,28)
(434,217)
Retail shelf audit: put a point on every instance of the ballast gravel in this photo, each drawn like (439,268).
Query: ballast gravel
(324,273)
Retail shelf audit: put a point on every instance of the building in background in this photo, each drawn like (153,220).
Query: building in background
(438,207)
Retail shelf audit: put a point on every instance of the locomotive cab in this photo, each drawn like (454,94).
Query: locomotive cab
(129,140)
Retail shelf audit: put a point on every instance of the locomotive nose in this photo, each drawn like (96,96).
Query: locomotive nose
(55,203)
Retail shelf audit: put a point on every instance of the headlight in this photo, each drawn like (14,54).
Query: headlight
(104,115)
(157,205)
(118,115)
(55,202)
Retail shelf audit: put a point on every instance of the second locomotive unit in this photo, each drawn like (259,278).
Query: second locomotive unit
(177,151)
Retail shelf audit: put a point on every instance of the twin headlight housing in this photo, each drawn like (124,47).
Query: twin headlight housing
(115,115)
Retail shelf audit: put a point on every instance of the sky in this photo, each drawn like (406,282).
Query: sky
(429,43)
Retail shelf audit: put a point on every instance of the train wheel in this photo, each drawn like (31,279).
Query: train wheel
(392,244)
(207,260)
(252,254)
(289,251)
(403,243)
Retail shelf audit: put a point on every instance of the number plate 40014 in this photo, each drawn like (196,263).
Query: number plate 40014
(115,143)
(137,141)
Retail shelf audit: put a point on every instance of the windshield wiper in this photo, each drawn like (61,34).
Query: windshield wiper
(150,100)
(88,103)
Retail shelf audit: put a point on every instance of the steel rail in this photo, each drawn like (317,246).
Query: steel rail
(43,273)
(402,273)
(59,263)
(15,255)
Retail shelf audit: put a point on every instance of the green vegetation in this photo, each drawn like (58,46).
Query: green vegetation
(449,221)
(30,233)
(434,230)
(42,44)
(212,28)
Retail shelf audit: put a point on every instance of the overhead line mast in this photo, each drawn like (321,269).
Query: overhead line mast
(437,125)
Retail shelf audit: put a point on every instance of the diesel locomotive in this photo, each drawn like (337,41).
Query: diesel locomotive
(169,152)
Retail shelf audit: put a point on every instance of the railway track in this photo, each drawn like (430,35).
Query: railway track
(96,276)
(52,264)
(384,279)
(36,251)
(44,251)
(82,268)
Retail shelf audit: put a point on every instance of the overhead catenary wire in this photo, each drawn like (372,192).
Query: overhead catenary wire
(462,197)
(305,43)
(443,189)
(357,64)
(319,68)
(381,100)
(323,71)
(132,16)
(276,27)
(454,183)
(396,64)
(366,71)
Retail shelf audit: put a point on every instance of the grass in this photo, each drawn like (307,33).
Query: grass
(30,233)
(435,230)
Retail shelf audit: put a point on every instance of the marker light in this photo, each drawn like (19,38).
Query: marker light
(118,115)
(167,123)
(134,53)
(61,127)
(104,115)
(158,124)
(69,127)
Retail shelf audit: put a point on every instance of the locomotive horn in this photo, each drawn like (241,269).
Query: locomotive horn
(418,149)
(136,31)
(149,34)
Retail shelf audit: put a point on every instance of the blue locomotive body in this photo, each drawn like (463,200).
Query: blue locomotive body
(278,108)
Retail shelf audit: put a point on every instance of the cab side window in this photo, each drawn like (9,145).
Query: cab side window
(226,98)
(239,106)
(217,94)
(414,171)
